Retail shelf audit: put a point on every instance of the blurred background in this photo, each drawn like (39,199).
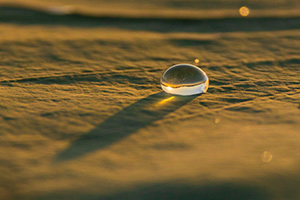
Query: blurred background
(168,8)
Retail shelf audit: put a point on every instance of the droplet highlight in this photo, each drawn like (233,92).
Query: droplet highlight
(184,79)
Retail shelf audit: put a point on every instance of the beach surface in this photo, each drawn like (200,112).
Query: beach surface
(82,114)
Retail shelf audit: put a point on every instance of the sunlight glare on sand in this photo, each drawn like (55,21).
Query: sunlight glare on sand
(244,11)
(165,101)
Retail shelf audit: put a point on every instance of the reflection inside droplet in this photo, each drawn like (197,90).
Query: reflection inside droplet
(184,79)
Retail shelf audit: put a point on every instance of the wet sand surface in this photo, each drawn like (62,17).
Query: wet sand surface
(83,115)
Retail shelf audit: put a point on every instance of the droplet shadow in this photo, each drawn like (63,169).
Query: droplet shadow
(127,121)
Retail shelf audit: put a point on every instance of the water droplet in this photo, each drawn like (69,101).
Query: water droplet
(184,79)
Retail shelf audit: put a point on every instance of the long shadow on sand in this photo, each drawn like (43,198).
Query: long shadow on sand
(29,16)
(124,123)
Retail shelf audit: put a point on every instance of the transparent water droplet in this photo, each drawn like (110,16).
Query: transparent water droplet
(184,79)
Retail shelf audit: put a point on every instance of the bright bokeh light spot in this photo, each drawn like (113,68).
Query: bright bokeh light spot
(244,11)
(217,120)
(197,60)
(266,157)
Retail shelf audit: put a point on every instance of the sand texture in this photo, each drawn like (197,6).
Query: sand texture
(82,114)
